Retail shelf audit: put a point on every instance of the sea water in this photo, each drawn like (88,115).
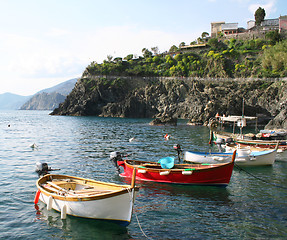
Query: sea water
(252,206)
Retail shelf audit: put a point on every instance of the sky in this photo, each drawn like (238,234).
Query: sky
(46,42)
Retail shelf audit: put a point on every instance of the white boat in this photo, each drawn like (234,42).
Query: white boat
(265,139)
(87,198)
(244,157)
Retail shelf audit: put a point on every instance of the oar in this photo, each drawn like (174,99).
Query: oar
(56,186)
(61,189)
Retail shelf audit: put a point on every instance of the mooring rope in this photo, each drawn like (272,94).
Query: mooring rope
(141,227)
(131,199)
(275,185)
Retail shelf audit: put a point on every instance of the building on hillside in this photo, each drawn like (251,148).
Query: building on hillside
(216,28)
(229,28)
(194,46)
(219,28)
(270,24)
(283,23)
(250,24)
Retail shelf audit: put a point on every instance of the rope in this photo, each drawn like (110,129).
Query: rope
(141,227)
(131,198)
(272,184)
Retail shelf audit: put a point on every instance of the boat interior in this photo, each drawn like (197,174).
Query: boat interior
(77,187)
(180,166)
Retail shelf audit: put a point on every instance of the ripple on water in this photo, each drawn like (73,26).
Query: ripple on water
(247,209)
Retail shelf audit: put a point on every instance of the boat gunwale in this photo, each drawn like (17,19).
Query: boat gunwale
(123,189)
(251,141)
(202,168)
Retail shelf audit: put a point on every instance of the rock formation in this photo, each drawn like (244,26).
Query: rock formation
(193,99)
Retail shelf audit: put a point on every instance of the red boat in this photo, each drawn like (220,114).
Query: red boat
(198,174)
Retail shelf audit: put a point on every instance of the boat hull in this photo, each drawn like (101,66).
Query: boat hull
(116,206)
(265,144)
(254,158)
(205,157)
(217,174)
(116,209)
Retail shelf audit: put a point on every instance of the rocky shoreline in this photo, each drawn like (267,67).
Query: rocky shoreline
(180,98)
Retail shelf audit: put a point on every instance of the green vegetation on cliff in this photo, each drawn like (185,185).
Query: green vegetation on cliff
(232,58)
(156,85)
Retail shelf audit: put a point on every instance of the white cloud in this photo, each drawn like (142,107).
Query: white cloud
(33,61)
(56,32)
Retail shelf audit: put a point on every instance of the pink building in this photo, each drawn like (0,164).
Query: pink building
(283,23)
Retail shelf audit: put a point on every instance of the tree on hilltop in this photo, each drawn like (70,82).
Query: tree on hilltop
(146,53)
(182,44)
(173,48)
(204,35)
(259,16)
(155,50)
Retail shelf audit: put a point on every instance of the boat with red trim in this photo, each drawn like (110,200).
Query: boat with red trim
(181,173)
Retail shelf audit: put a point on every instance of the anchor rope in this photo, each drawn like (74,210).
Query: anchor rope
(141,227)
(258,178)
(131,198)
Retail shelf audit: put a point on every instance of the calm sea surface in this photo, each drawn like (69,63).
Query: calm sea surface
(248,208)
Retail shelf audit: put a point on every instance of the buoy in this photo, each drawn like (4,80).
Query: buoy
(186,172)
(64,212)
(216,158)
(49,203)
(36,199)
(166,137)
(141,171)
(164,173)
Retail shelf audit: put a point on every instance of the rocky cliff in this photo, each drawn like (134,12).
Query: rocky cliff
(193,99)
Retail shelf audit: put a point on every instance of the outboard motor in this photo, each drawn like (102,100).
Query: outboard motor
(43,169)
(179,151)
(219,142)
(115,157)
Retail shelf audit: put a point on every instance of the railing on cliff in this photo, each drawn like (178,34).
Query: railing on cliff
(150,78)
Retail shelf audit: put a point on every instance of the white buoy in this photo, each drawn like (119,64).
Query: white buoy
(186,172)
(49,203)
(164,173)
(215,158)
(64,212)
(141,171)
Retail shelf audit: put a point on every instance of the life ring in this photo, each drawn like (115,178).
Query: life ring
(213,125)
